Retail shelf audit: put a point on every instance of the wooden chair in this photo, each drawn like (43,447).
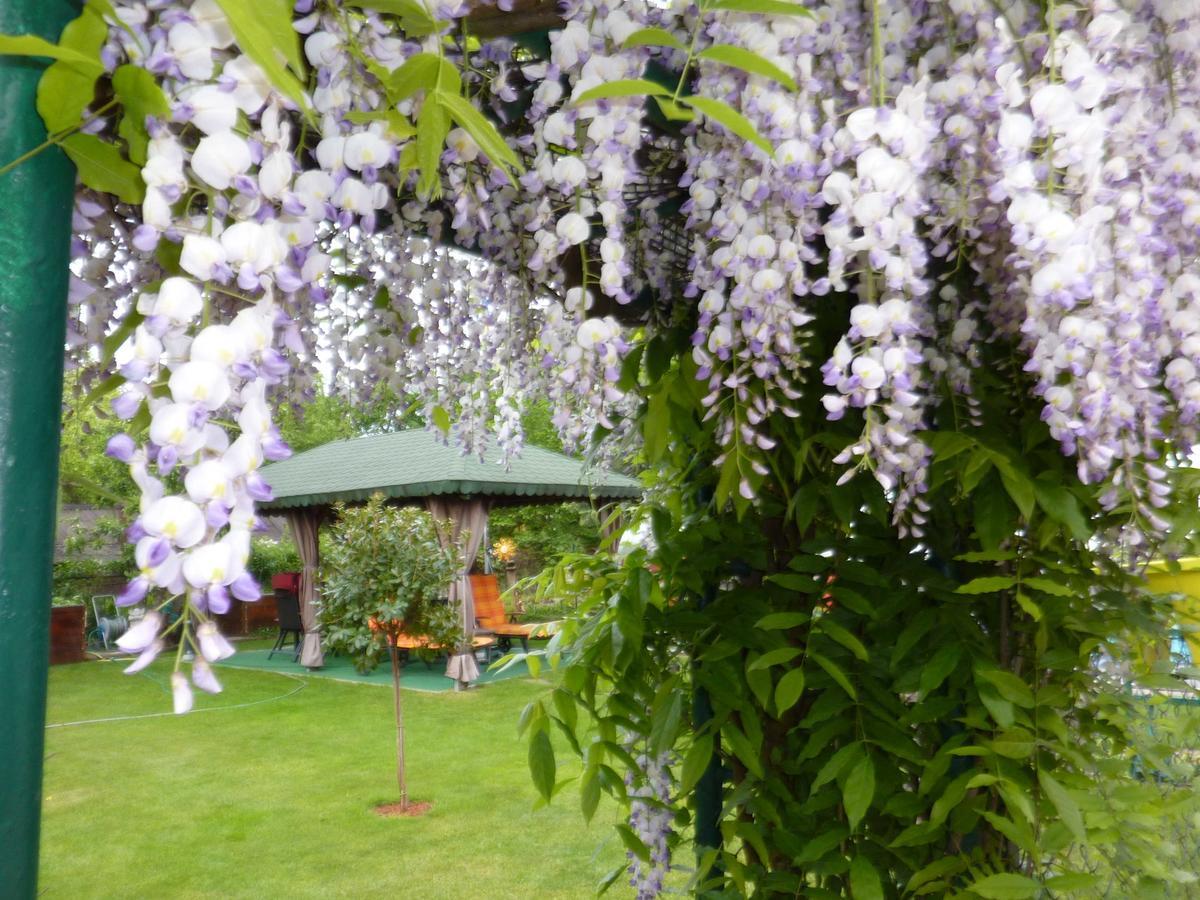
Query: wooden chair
(491,616)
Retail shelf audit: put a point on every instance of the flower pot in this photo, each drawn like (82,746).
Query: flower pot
(67,634)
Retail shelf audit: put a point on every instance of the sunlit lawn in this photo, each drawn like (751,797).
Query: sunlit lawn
(275,799)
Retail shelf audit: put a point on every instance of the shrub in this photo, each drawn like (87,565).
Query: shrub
(385,573)
(268,557)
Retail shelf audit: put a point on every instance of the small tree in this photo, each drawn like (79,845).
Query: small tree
(384,574)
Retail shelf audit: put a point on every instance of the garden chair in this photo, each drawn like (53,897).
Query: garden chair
(491,617)
(110,624)
(287,609)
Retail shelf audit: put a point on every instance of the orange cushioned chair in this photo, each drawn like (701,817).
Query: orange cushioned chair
(491,616)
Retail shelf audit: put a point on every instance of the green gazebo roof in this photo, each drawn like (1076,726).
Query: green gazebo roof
(415,464)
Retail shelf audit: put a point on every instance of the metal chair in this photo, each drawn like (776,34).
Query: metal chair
(287,606)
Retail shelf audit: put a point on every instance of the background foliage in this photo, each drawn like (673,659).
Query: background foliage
(890,716)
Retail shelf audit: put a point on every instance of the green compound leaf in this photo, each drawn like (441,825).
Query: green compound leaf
(278,20)
(987,585)
(864,880)
(633,843)
(781,620)
(1006,886)
(789,690)
(665,715)
(653,37)
(859,791)
(730,119)
(672,111)
(773,658)
(140,96)
(1046,586)
(828,627)
(433,124)
(67,87)
(483,132)
(761,7)
(264,33)
(441,419)
(624,87)
(589,793)
(102,167)
(541,763)
(414,17)
(32,45)
(695,763)
(1068,809)
(421,72)
(741,58)
(835,673)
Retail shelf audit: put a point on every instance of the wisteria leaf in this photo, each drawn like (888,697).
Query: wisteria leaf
(761,7)
(67,87)
(482,130)
(140,96)
(433,124)
(102,167)
(1006,886)
(653,37)
(730,119)
(741,58)
(624,87)
(32,45)
(414,17)
(260,33)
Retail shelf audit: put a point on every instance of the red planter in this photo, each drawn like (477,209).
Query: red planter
(67,634)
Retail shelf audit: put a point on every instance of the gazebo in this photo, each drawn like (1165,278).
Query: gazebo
(418,467)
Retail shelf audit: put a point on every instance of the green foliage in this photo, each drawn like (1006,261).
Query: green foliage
(544,534)
(384,570)
(331,417)
(68,86)
(264,32)
(86,475)
(88,565)
(895,716)
(269,557)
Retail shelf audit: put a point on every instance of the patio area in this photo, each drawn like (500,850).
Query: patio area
(417,675)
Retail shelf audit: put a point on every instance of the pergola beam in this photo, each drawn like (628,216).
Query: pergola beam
(35,229)
(526,16)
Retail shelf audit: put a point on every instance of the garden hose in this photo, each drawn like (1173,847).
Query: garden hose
(300,685)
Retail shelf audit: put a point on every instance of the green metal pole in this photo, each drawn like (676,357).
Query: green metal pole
(35,225)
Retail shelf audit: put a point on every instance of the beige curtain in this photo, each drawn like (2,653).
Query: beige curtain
(305,524)
(467,515)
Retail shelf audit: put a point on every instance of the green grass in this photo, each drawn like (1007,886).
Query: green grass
(275,799)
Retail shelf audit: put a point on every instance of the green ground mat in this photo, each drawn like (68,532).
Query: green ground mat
(416,675)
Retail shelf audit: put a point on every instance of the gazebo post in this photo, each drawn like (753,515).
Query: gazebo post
(35,233)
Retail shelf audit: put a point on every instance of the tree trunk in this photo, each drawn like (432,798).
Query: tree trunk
(400,779)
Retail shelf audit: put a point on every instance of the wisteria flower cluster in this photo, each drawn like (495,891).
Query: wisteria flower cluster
(650,818)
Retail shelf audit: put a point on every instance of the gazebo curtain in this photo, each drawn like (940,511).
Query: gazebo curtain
(305,524)
(467,515)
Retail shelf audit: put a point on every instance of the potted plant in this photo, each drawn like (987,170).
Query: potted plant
(385,577)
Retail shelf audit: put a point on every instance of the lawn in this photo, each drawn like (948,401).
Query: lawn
(270,794)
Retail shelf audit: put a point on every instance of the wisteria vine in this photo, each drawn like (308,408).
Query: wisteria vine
(378,195)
